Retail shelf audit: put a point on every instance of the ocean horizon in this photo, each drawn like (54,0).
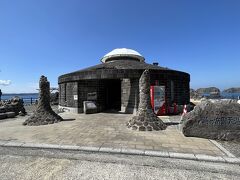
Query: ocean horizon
(226,95)
(28,98)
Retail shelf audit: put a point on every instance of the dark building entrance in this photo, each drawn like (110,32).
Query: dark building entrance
(113,94)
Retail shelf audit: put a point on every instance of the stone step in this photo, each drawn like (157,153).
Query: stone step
(3,116)
(10,114)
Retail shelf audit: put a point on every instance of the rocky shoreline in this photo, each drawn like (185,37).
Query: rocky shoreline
(214,93)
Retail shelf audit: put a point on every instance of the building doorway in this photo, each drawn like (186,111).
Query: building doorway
(113,94)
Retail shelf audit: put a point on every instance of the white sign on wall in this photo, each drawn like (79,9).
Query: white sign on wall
(75,97)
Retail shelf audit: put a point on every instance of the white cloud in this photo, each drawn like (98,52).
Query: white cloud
(5,82)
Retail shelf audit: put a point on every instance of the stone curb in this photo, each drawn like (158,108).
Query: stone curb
(222,148)
(164,154)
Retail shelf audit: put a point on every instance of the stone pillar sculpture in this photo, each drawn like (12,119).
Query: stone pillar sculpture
(145,120)
(44,113)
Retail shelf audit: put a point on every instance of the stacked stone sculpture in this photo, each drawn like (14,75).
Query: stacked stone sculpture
(44,113)
(145,120)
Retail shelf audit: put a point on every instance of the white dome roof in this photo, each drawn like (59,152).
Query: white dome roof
(123,52)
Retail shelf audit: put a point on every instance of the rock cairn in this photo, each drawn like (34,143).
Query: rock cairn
(44,113)
(145,120)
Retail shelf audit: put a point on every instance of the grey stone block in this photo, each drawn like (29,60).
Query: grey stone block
(132,151)
(89,148)
(40,145)
(213,120)
(10,114)
(182,155)
(28,145)
(69,147)
(2,110)
(232,160)
(49,146)
(90,107)
(13,144)
(157,153)
(202,157)
(3,116)
(110,150)
(3,142)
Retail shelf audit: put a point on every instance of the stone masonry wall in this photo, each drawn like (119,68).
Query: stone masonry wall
(62,91)
(72,89)
(91,86)
(129,95)
(129,90)
(66,95)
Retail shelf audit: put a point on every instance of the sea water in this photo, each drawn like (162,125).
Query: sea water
(28,98)
(226,95)
(230,95)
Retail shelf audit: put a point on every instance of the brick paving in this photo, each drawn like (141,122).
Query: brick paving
(106,130)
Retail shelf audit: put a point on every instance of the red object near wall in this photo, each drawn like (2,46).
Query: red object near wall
(175,110)
(157,94)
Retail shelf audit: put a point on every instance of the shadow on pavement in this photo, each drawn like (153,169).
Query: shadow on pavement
(68,119)
(171,123)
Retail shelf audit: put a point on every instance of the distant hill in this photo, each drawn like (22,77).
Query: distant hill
(208,90)
(232,90)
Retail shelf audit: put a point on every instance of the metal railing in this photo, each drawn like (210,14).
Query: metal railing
(29,101)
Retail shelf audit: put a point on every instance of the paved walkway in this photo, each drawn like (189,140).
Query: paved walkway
(106,130)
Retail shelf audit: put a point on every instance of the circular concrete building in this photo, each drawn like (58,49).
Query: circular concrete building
(114,84)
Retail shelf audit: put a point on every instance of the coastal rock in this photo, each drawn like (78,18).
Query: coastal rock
(145,120)
(208,90)
(10,114)
(232,90)
(3,116)
(194,94)
(219,119)
(44,113)
(15,105)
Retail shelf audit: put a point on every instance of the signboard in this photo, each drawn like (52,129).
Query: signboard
(92,96)
(75,97)
(90,105)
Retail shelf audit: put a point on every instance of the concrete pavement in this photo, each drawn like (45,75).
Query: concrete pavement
(107,132)
(27,163)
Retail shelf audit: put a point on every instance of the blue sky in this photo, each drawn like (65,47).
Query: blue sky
(53,37)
